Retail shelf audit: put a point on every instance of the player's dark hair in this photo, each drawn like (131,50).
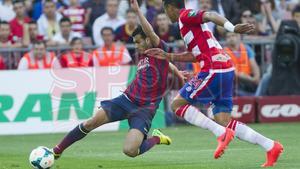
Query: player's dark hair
(176,3)
(139,31)
(296,10)
(107,28)
(74,40)
(64,19)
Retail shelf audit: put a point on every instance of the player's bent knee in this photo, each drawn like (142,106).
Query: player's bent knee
(130,152)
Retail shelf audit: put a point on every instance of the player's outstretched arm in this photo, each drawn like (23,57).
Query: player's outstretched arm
(178,57)
(145,24)
(222,21)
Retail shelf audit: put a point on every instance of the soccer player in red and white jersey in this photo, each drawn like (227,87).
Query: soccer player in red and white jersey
(213,85)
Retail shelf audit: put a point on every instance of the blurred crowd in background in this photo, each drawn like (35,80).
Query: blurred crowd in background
(82,33)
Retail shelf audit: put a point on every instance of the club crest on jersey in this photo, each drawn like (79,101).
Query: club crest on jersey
(188,89)
(192,13)
(144,63)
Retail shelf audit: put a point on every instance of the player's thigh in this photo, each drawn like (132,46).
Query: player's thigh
(133,141)
(177,102)
(97,120)
(201,89)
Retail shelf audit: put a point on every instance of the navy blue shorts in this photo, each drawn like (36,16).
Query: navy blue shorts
(212,87)
(121,108)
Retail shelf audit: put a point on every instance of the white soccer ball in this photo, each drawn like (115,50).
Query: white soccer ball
(41,158)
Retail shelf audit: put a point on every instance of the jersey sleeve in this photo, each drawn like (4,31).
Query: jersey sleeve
(191,17)
(164,46)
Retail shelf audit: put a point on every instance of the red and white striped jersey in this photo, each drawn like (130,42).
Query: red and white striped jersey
(201,42)
(77,16)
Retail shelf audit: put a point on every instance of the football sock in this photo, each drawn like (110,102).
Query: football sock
(192,115)
(148,144)
(76,134)
(245,133)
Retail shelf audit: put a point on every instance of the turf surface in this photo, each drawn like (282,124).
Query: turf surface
(192,148)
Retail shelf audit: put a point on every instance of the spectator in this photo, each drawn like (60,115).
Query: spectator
(153,8)
(66,35)
(123,33)
(253,5)
(95,8)
(206,5)
(77,57)
(296,14)
(48,23)
(110,53)
(78,15)
(227,8)
(2,63)
(248,17)
(16,25)
(6,39)
(284,9)
(247,70)
(31,34)
(110,18)
(6,10)
(268,19)
(165,30)
(38,58)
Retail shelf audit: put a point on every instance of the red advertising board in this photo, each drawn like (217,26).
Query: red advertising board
(244,109)
(279,108)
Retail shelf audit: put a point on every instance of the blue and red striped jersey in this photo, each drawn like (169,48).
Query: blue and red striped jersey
(150,83)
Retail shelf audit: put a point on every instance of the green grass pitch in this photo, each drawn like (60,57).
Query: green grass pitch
(192,148)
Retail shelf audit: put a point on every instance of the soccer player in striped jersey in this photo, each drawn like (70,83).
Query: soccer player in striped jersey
(215,81)
(139,102)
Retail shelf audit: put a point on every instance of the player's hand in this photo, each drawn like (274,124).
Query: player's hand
(134,5)
(244,28)
(187,76)
(157,53)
